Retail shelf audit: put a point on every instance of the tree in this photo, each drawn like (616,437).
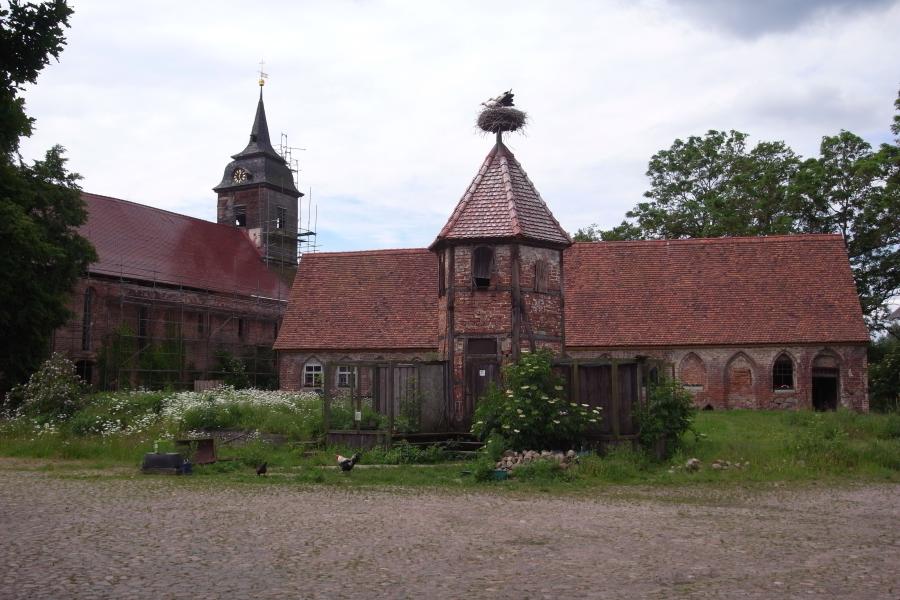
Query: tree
(712,186)
(40,204)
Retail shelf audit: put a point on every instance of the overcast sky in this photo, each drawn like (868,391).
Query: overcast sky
(151,99)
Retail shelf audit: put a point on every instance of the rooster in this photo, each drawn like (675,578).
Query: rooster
(262,469)
(346,464)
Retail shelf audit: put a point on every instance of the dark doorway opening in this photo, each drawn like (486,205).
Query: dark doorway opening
(85,370)
(825,389)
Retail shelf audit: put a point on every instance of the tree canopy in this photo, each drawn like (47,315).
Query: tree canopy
(714,186)
(40,203)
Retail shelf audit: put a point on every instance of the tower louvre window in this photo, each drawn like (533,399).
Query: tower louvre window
(541,276)
(280,217)
(240,216)
(482,265)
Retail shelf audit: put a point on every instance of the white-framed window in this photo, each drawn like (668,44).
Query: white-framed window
(312,374)
(345,376)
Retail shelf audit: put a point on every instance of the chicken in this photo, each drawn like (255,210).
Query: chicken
(346,464)
(262,469)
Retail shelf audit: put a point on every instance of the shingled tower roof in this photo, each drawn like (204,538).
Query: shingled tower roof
(502,203)
(260,160)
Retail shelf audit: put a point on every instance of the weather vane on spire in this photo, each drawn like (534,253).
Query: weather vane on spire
(262,74)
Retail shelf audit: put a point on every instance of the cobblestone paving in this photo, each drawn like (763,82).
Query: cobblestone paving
(152,537)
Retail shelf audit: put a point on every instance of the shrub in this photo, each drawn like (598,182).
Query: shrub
(233,371)
(667,415)
(54,391)
(531,410)
(404,453)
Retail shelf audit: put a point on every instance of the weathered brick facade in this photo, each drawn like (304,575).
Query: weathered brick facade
(741,376)
(753,323)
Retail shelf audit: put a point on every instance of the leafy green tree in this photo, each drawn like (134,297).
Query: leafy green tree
(847,190)
(40,204)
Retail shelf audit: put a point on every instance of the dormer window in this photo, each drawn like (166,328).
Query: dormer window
(482,265)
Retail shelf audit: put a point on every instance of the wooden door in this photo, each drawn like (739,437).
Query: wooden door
(595,389)
(481,373)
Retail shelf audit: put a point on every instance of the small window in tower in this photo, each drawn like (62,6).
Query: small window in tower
(240,327)
(442,275)
(541,276)
(240,216)
(281,217)
(482,265)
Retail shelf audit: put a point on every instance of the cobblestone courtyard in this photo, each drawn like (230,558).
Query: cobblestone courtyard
(149,537)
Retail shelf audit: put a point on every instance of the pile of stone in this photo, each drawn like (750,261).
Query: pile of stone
(694,464)
(512,460)
(719,464)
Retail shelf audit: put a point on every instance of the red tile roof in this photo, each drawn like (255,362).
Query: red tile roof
(502,202)
(379,299)
(724,291)
(762,290)
(145,243)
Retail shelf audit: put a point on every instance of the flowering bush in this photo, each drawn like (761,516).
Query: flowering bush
(54,391)
(531,410)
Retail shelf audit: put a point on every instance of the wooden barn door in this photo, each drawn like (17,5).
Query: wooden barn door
(595,389)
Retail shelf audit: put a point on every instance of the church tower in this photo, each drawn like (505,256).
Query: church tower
(257,193)
(500,265)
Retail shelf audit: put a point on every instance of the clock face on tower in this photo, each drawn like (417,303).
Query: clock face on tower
(240,175)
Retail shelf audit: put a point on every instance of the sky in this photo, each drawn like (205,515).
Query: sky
(150,100)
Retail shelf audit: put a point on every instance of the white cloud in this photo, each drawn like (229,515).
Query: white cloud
(383,95)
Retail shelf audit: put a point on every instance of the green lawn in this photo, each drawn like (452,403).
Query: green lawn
(770,446)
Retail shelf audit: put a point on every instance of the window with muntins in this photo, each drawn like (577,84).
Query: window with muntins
(345,376)
(281,217)
(783,373)
(312,375)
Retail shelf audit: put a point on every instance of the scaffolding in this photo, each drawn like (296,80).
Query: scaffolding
(306,236)
(133,331)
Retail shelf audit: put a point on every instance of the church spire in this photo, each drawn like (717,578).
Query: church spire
(259,134)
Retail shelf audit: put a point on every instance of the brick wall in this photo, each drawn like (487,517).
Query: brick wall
(202,322)
(736,377)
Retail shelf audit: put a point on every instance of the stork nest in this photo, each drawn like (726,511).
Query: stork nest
(502,118)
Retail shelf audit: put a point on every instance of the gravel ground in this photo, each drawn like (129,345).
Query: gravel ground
(158,537)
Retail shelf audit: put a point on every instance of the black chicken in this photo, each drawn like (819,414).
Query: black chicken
(346,464)
(262,469)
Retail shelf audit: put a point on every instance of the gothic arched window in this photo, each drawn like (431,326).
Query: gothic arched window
(783,373)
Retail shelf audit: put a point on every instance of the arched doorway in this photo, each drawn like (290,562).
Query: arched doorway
(826,382)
